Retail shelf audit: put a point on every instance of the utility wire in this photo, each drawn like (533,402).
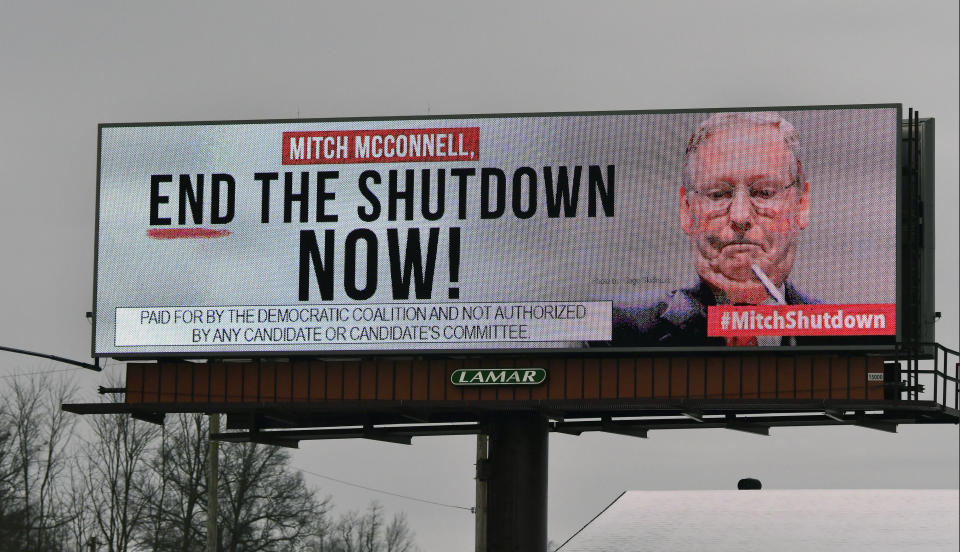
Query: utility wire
(41,372)
(22,374)
(398,495)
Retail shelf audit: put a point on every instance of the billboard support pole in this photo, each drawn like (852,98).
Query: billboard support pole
(517,487)
(213,472)
(480,509)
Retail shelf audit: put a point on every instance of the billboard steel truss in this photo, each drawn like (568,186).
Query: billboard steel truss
(394,400)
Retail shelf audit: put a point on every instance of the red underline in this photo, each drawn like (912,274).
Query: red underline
(174,233)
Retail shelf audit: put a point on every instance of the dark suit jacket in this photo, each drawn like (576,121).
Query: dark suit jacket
(679,319)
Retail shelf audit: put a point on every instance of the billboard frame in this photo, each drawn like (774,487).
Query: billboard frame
(887,348)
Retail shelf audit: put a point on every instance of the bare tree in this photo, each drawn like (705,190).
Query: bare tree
(36,450)
(346,533)
(11,508)
(78,506)
(113,478)
(176,513)
(156,488)
(264,504)
(365,532)
(135,486)
(397,536)
(370,528)
(26,433)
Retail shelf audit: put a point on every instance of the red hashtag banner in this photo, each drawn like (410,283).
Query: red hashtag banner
(734,321)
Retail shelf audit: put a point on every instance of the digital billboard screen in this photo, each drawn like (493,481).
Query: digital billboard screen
(676,230)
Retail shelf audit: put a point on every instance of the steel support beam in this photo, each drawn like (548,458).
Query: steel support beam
(631,430)
(739,424)
(262,439)
(150,417)
(641,433)
(386,436)
(563,429)
(879,425)
(517,488)
(756,429)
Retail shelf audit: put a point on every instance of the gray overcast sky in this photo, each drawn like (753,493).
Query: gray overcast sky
(67,66)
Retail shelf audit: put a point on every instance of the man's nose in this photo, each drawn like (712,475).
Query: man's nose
(741,211)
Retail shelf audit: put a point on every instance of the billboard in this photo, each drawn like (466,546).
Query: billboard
(617,231)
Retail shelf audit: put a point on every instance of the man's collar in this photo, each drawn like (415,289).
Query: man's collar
(693,300)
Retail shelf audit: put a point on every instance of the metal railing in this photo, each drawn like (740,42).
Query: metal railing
(934,379)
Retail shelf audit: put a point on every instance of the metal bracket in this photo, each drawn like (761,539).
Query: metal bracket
(255,435)
(558,427)
(638,432)
(259,438)
(889,427)
(747,427)
(879,425)
(608,426)
(552,414)
(381,435)
(834,414)
(151,417)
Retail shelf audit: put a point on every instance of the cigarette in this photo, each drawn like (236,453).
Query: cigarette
(771,289)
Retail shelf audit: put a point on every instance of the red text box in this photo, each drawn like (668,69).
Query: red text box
(733,321)
(381,146)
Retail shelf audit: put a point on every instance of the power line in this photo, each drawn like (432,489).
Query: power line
(398,495)
(41,372)
(106,361)
(22,374)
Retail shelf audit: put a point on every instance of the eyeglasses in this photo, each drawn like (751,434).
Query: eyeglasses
(762,194)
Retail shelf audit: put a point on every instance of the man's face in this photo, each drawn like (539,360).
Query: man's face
(743,211)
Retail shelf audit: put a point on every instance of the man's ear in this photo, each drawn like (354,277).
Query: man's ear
(803,206)
(686,218)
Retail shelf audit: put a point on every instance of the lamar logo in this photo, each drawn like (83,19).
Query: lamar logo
(499,376)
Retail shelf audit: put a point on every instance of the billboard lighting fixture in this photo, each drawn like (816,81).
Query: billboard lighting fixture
(95,367)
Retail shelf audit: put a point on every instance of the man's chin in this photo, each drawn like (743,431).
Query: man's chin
(738,271)
(746,293)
